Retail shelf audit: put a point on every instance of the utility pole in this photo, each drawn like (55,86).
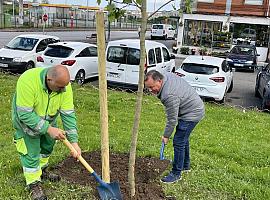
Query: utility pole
(1,14)
(21,12)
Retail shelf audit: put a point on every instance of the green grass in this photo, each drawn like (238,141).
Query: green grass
(230,148)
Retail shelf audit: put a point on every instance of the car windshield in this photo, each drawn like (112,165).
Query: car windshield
(242,50)
(22,43)
(157,27)
(58,51)
(123,55)
(199,68)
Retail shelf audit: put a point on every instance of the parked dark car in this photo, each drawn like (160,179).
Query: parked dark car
(243,57)
(262,88)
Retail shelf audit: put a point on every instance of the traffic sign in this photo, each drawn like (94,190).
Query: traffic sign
(45,17)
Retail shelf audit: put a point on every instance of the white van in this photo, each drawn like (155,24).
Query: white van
(22,51)
(164,31)
(123,59)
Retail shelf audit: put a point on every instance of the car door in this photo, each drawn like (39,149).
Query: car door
(168,62)
(264,78)
(133,66)
(94,61)
(116,57)
(87,60)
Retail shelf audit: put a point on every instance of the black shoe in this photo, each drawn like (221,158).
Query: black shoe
(47,175)
(36,192)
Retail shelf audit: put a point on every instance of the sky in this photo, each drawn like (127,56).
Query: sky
(151,4)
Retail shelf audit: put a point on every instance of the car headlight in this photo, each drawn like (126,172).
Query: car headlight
(249,62)
(229,60)
(17,59)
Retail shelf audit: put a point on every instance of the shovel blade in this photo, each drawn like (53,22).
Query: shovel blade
(110,192)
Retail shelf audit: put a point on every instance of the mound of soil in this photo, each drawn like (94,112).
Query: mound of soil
(147,171)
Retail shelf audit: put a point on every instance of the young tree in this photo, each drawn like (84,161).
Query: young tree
(114,13)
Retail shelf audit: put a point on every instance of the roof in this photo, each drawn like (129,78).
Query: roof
(135,43)
(74,45)
(205,60)
(37,36)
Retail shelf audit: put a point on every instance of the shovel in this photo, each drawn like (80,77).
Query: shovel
(161,153)
(107,191)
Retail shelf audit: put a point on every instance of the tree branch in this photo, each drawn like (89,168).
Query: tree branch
(159,8)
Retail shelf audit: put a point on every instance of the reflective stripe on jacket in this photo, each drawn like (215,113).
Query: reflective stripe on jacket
(33,108)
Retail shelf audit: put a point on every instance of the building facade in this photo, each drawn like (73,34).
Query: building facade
(219,24)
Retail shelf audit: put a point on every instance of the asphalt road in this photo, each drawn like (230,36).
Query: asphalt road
(242,94)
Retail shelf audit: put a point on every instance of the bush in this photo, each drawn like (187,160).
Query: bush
(184,50)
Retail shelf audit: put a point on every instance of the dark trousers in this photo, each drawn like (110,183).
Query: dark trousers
(181,146)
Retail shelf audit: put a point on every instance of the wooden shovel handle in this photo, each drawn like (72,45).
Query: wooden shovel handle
(80,158)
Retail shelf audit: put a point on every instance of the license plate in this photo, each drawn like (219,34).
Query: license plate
(113,75)
(198,89)
(238,65)
(3,65)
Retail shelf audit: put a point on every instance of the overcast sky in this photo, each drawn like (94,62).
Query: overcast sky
(151,4)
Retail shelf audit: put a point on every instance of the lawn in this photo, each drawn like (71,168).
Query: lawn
(230,149)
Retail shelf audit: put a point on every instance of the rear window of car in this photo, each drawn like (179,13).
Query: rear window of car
(58,51)
(123,55)
(157,27)
(199,68)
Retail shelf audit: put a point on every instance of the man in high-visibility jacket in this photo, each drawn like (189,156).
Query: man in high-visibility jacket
(41,95)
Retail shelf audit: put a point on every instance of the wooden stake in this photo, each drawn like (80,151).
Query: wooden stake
(103,97)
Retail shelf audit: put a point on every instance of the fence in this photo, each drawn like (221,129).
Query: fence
(67,21)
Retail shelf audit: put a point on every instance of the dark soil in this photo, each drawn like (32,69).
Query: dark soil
(147,173)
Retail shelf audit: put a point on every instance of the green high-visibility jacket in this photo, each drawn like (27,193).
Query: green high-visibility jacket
(34,108)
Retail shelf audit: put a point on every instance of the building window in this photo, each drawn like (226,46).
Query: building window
(254,2)
(206,1)
(200,33)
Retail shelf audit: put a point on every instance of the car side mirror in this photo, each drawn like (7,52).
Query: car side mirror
(172,56)
(258,55)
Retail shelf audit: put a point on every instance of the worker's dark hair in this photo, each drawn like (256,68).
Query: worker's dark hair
(155,75)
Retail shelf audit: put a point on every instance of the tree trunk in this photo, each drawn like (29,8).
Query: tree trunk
(135,129)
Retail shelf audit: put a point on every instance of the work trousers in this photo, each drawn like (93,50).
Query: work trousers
(34,154)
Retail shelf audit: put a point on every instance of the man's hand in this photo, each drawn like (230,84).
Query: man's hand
(164,139)
(77,154)
(56,133)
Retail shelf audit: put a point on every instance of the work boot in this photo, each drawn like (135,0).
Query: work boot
(47,175)
(37,192)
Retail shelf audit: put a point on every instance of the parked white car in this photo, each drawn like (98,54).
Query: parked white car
(80,58)
(164,31)
(210,76)
(22,51)
(123,59)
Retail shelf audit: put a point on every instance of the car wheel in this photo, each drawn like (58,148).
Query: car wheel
(152,37)
(231,87)
(29,65)
(165,37)
(80,77)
